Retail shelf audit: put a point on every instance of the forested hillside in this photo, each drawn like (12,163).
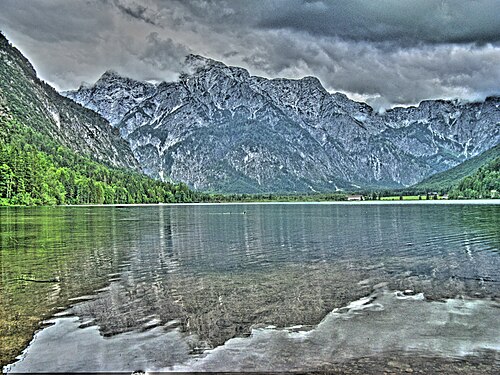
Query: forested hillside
(485,183)
(53,151)
(444,181)
(36,170)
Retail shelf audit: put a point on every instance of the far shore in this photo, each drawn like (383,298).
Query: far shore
(365,202)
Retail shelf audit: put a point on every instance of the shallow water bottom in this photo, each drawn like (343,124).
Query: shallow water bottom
(383,325)
(194,287)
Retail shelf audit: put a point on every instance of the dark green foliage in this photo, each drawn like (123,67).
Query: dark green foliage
(485,183)
(36,170)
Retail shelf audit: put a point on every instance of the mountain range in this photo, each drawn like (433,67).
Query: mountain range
(220,129)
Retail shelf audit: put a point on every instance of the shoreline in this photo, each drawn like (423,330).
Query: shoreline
(355,203)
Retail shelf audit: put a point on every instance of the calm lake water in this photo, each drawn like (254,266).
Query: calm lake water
(249,286)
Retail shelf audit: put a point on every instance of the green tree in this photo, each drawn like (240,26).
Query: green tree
(6,181)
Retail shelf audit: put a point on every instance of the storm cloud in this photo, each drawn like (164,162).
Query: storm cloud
(402,22)
(385,52)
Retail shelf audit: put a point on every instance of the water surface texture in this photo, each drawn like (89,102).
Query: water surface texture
(250,286)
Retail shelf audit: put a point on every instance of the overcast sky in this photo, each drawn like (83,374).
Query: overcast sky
(384,52)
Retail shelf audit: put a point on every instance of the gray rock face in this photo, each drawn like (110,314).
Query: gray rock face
(218,128)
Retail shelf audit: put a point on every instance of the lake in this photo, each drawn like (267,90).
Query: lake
(251,287)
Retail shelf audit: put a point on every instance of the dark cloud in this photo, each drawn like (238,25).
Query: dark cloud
(398,21)
(231,54)
(137,11)
(384,52)
(164,54)
(385,77)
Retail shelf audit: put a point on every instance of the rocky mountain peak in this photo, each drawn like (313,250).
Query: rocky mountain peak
(110,74)
(312,81)
(112,93)
(200,62)
(113,78)
(199,66)
(221,129)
